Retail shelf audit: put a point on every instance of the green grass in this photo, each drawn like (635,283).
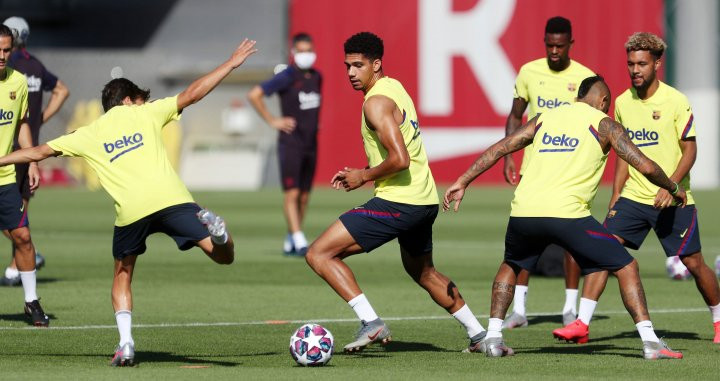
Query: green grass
(73,229)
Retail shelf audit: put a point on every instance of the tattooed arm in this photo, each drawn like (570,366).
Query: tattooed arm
(518,140)
(612,133)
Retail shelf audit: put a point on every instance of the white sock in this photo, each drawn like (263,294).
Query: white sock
(715,311)
(299,240)
(219,239)
(124,324)
(288,244)
(468,320)
(29,283)
(494,328)
(646,331)
(362,308)
(519,299)
(570,300)
(11,273)
(587,309)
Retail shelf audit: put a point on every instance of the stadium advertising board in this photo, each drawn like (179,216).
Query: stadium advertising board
(458,60)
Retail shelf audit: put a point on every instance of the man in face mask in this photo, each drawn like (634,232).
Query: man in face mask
(299,89)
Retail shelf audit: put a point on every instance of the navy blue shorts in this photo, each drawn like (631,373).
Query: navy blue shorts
(379,221)
(180,222)
(676,228)
(297,167)
(592,246)
(13,214)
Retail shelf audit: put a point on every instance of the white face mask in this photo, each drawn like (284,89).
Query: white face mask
(304,60)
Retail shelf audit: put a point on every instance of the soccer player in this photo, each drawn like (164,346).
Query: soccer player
(659,120)
(13,213)
(553,200)
(299,89)
(544,84)
(39,79)
(405,203)
(124,147)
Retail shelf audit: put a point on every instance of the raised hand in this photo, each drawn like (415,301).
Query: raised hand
(243,51)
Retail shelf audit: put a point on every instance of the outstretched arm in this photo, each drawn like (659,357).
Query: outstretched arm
(384,117)
(519,139)
(29,155)
(612,133)
(203,85)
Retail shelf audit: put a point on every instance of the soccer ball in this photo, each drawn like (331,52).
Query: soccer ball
(311,345)
(676,269)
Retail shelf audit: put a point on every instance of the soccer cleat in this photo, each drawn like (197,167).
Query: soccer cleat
(39,261)
(475,343)
(659,351)
(515,320)
(577,332)
(300,252)
(370,332)
(214,223)
(5,281)
(124,355)
(495,347)
(36,313)
(716,340)
(288,246)
(568,317)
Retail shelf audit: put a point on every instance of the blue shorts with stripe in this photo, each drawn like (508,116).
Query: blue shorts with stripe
(379,221)
(592,246)
(676,227)
(13,214)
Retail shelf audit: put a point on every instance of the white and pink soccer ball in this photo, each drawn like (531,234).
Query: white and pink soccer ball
(676,269)
(312,345)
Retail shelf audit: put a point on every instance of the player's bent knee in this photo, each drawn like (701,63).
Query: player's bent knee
(21,236)
(693,262)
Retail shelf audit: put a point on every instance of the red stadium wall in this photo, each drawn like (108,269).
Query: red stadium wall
(458,60)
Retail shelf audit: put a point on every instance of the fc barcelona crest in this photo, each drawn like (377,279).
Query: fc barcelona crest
(572,86)
(656,114)
(13,95)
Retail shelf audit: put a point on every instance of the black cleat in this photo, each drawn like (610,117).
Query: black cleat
(36,313)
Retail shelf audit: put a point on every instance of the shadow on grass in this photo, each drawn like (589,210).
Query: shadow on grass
(48,280)
(159,357)
(659,333)
(23,317)
(395,346)
(556,319)
(585,349)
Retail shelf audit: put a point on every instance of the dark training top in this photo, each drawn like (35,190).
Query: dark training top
(39,80)
(300,98)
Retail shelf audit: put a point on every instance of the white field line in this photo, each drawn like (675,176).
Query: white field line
(275,322)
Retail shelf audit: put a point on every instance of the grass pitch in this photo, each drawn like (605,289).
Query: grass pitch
(194,319)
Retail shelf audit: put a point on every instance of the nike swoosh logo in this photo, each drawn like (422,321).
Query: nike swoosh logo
(372,337)
(22,208)
(683,234)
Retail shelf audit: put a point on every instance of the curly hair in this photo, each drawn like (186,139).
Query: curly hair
(646,41)
(365,43)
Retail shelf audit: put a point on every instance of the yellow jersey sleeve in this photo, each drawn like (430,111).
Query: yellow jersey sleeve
(163,110)
(72,144)
(521,87)
(24,102)
(684,120)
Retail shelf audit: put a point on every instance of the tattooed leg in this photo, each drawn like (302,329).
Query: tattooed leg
(503,290)
(632,292)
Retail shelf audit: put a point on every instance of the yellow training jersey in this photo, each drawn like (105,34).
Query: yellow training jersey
(13,107)
(125,149)
(544,89)
(568,162)
(656,125)
(414,185)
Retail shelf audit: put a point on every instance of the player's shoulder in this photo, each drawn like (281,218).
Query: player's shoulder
(536,65)
(626,96)
(14,76)
(673,93)
(581,69)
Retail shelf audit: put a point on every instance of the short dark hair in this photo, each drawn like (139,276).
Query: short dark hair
(116,90)
(587,84)
(6,31)
(365,43)
(302,36)
(558,24)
